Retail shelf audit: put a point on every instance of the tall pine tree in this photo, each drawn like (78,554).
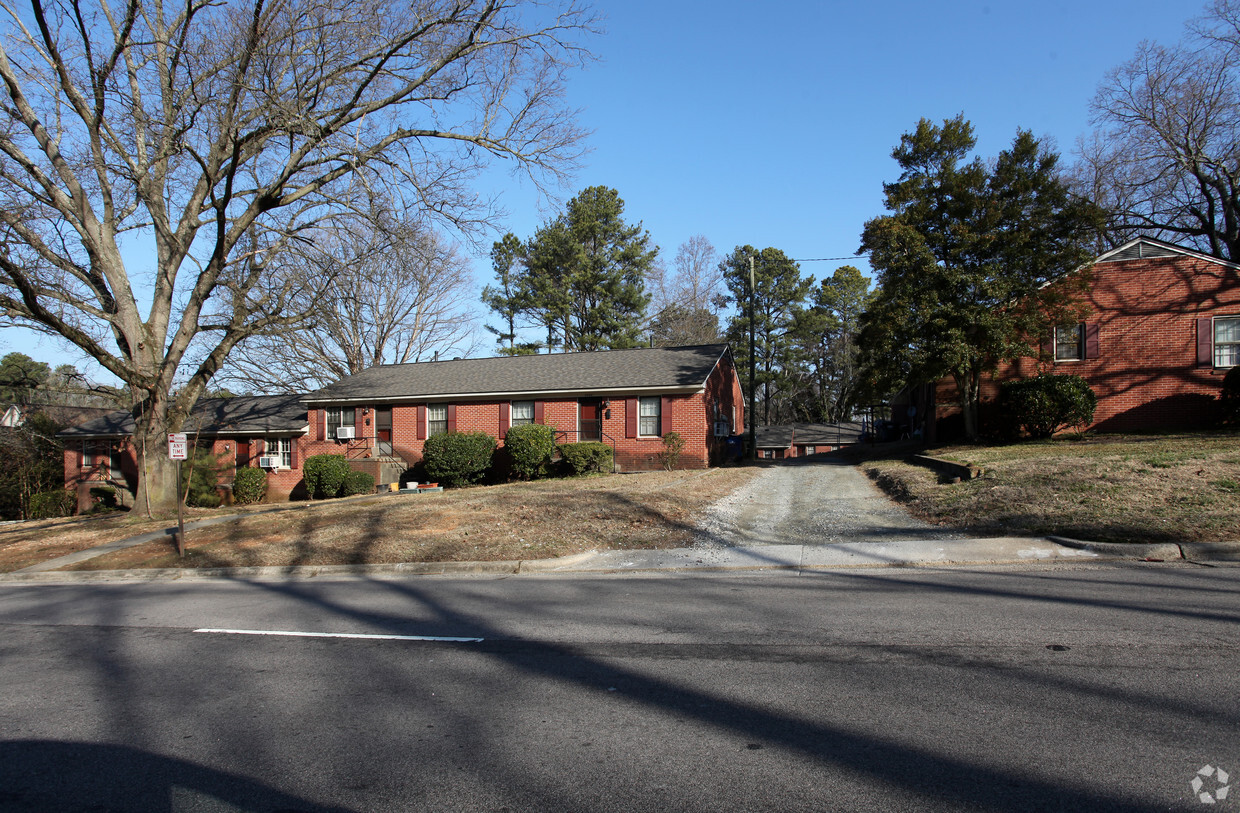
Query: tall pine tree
(581,278)
(965,257)
(779,292)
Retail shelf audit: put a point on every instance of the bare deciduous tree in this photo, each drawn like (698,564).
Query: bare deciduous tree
(399,293)
(155,158)
(1165,157)
(686,304)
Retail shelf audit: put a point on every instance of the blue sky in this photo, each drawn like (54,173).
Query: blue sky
(773,124)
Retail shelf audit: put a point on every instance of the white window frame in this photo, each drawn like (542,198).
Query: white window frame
(645,416)
(809,450)
(523,420)
(1079,343)
(1231,348)
(281,448)
(336,419)
(432,411)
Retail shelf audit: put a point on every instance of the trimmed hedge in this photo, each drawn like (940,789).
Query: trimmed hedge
(458,458)
(590,455)
(249,486)
(1046,403)
(324,475)
(357,482)
(530,448)
(49,504)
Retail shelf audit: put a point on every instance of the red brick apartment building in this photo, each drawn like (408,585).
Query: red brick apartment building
(1161,330)
(380,418)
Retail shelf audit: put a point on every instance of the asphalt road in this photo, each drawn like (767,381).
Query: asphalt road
(1068,688)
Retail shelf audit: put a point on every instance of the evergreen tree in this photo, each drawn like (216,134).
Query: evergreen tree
(581,278)
(20,375)
(779,292)
(826,335)
(965,258)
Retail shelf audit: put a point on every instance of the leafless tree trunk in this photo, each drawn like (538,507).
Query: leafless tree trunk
(155,160)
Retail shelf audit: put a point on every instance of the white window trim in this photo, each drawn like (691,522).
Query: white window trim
(512,414)
(328,428)
(271,448)
(658,416)
(431,421)
(1214,342)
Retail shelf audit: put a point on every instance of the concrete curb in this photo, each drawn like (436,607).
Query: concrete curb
(1162,551)
(1211,551)
(799,558)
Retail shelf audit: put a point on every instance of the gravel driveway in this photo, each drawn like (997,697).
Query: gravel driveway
(812,502)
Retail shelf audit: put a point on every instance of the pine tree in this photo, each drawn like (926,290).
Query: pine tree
(779,292)
(965,258)
(582,278)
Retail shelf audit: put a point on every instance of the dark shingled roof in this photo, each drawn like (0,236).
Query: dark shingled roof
(781,436)
(666,368)
(773,437)
(239,415)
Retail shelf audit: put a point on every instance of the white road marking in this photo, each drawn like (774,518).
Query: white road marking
(364,636)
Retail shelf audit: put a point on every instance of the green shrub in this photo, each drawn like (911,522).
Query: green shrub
(1044,404)
(249,486)
(1230,396)
(673,445)
(200,480)
(357,482)
(104,498)
(324,475)
(56,503)
(530,448)
(458,458)
(588,456)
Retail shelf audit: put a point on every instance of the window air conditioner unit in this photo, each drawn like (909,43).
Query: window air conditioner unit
(269,462)
(721,429)
(346,432)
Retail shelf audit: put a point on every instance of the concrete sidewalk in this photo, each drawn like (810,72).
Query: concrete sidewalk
(798,558)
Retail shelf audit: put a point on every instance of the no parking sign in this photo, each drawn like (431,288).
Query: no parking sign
(177,446)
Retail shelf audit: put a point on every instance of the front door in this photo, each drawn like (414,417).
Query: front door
(591,419)
(383,430)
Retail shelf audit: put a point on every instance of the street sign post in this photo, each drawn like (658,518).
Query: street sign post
(178,450)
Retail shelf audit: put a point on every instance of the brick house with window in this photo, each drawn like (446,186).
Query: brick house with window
(1162,328)
(379,418)
(244,430)
(629,399)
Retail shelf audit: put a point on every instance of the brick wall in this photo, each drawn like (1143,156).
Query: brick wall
(1146,374)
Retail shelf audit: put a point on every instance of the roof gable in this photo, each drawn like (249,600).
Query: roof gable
(599,371)
(1148,248)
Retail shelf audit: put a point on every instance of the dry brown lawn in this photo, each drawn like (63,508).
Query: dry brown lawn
(536,520)
(28,543)
(1164,488)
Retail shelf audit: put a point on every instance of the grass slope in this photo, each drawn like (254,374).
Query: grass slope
(1148,488)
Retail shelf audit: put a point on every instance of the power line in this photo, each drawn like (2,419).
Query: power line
(826,259)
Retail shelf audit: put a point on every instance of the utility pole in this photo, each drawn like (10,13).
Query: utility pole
(753,366)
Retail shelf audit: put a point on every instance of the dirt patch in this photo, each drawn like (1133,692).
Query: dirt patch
(1167,488)
(488,523)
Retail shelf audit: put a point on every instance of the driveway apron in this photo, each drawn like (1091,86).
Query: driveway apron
(816,501)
